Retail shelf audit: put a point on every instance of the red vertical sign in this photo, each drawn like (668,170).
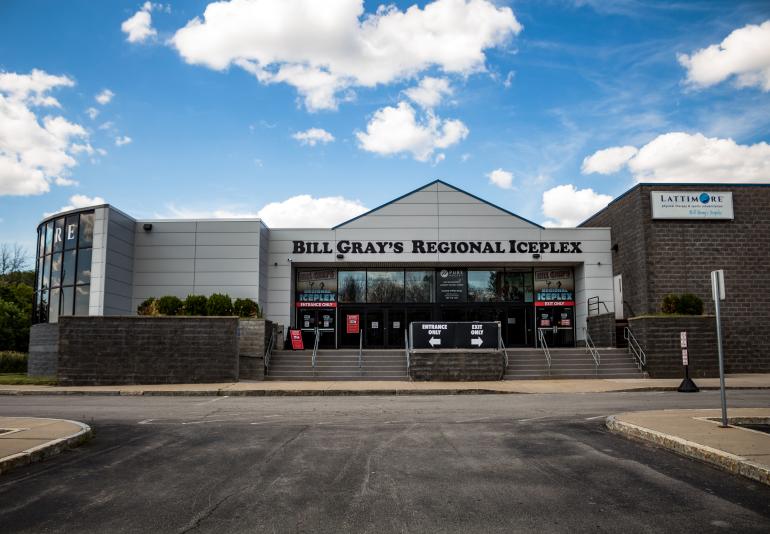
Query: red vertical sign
(353,324)
(296,340)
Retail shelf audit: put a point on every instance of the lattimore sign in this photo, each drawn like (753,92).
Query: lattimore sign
(691,205)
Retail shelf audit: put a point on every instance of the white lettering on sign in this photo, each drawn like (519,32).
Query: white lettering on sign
(683,339)
(684,356)
(57,236)
(70,232)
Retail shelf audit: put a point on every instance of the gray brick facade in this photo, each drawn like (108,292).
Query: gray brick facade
(657,257)
(43,359)
(456,365)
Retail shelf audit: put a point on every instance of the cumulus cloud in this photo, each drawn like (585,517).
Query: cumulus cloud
(92,113)
(325,48)
(430,92)
(395,130)
(138,28)
(608,160)
(305,211)
(313,136)
(122,140)
(567,206)
(300,211)
(77,202)
(104,97)
(745,54)
(501,178)
(684,157)
(33,152)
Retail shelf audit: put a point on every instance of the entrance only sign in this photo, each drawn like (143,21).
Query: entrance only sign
(451,335)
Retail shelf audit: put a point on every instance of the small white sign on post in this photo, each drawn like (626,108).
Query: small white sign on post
(683,339)
(718,284)
(684,357)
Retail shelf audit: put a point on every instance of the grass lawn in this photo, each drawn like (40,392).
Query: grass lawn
(13,379)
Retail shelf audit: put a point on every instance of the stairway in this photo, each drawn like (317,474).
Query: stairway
(341,364)
(575,362)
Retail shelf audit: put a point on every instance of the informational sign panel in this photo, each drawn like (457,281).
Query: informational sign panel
(683,339)
(684,356)
(554,287)
(353,324)
(296,340)
(452,286)
(316,288)
(692,205)
(451,335)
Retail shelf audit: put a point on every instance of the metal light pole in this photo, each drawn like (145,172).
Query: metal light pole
(718,291)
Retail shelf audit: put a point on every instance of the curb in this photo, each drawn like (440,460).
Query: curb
(736,465)
(47,450)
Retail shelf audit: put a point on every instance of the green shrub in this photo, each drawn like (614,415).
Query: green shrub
(195,305)
(685,304)
(246,308)
(219,304)
(148,307)
(169,305)
(690,304)
(13,362)
(670,303)
(14,327)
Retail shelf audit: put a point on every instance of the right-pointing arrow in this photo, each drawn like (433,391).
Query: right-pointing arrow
(477,341)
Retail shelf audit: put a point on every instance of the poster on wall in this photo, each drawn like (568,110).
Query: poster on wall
(554,287)
(452,286)
(316,288)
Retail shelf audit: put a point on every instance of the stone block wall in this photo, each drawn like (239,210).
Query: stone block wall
(456,365)
(147,350)
(253,335)
(43,350)
(661,256)
(601,328)
(659,338)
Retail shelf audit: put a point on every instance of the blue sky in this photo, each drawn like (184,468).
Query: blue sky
(547,108)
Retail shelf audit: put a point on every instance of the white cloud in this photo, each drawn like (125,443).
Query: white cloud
(301,211)
(104,97)
(501,178)
(138,28)
(92,113)
(508,82)
(34,153)
(122,140)
(683,157)
(394,130)
(567,206)
(313,136)
(325,48)
(745,54)
(608,160)
(107,125)
(77,202)
(430,92)
(304,211)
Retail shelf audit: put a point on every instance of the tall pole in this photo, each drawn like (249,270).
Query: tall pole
(716,281)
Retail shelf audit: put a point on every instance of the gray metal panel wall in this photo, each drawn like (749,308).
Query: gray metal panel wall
(119,264)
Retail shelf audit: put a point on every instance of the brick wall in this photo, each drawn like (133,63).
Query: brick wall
(657,257)
(147,350)
(601,328)
(43,350)
(456,365)
(252,338)
(659,338)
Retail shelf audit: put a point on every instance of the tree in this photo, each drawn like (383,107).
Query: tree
(13,258)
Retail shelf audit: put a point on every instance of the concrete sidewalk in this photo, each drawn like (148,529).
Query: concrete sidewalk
(363,387)
(24,440)
(697,434)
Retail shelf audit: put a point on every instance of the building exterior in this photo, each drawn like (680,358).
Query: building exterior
(667,238)
(436,253)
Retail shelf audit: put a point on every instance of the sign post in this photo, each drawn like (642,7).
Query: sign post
(687,385)
(718,292)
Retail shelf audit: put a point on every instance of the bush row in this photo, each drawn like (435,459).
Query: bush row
(199,305)
(13,362)
(684,304)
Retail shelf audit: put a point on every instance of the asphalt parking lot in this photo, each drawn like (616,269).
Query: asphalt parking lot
(468,463)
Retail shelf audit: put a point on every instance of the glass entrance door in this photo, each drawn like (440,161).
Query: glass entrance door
(374,329)
(557,324)
(308,319)
(395,326)
(518,332)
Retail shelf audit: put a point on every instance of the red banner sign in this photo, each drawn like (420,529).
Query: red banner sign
(353,323)
(555,303)
(316,304)
(296,340)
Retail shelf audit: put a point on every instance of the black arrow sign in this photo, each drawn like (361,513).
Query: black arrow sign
(455,335)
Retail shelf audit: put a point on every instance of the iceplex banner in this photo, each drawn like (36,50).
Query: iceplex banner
(316,288)
(554,287)
(418,246)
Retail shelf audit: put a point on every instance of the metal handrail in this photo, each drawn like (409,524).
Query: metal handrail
(593,304)
(406,350)
(635,348)
(360,352)
(269,348)
(505,352)
(590,347)
(544,346)
(315,349)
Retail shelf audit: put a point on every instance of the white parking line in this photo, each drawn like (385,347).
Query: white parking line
(212,400)
(595,417)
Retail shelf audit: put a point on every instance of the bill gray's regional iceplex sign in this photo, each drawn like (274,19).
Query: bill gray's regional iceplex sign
(692,205)
(449,335)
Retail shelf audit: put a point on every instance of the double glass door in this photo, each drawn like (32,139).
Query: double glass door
(324,319)
(385,327)
(557,323)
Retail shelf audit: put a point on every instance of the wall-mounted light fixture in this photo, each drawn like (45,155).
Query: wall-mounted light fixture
(340,256)
(615,247)
(147,227)
(536,256)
